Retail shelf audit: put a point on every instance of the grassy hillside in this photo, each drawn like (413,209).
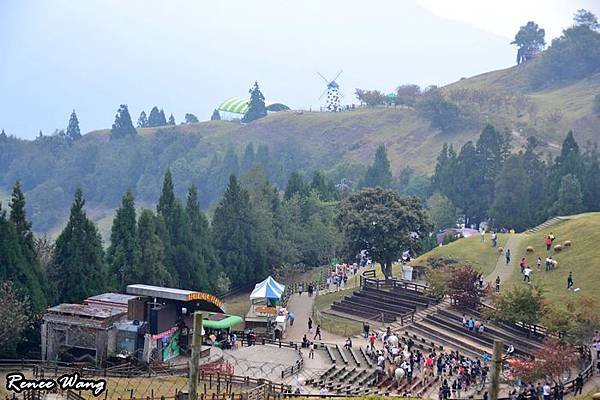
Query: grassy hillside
(342,144)
(582,258)
(469,251)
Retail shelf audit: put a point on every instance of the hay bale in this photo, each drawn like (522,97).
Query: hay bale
(596,396)
(500,249)
(568,243)
(558,248)
(529,249)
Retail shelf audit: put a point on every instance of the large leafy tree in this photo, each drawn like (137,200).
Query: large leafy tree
(379,174)
(73,133)
(256,106)
(586,18)
(463,288)
(523,304)
(529,41)
(383,223)
(123,254)
(79,256)
(122,127)
(190,118)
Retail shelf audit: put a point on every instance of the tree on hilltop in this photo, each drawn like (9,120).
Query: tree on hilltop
(586,18)
(122,127)
(171,120)
(529,40)
(256,106)
(142,120)
(190,118)
(73,132)
(156,118)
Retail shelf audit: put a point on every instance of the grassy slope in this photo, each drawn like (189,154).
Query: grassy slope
(470,251)
(582,258)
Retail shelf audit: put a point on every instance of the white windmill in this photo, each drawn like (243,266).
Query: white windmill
(333,93)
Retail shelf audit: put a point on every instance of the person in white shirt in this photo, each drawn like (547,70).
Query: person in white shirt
(323,391)
(527,274)
(546,391)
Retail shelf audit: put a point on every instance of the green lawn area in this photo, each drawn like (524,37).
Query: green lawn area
(481,256)
(583,258)
(332,323)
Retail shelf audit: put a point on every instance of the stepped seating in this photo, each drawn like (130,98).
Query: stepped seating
(342,354)
(512,335)
(402,297)
(384,304)
(363,352)
(361,311)
(330,354)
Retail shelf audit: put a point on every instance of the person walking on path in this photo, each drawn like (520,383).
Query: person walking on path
(300,288)
(570,281)
(507,256)
(498,284)
(318,332)
(527,274)
(310,323)
(578,384)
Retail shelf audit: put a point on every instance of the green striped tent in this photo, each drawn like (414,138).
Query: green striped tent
(239,105)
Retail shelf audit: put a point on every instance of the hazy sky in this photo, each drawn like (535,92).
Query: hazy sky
(188,56)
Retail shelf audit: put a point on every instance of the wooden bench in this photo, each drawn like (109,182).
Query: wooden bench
(342,355)
(330,353)
(354,356)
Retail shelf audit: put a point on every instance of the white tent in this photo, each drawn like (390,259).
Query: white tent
(267,289)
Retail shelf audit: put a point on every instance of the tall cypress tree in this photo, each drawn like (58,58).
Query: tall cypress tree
(256,106)
(142,120)
(295,185)
(379,174)
(201,241)
(152,252)
(156,117)
(122,127)
(22,267)
(248,158)
(570,161)
(570,197)
(163,119)
(79,256)
(233,232)
(171,120)
(73,132)
(123,253)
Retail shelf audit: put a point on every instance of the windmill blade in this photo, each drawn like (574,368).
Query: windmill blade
(323,94)
(338,75)
(321,75)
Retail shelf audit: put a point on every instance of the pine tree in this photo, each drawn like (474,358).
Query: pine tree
(122,127)
(166,202)
(570,161)
(233,232)
(172,120)
(73,132)
(379,174)
(216,116)
(79,256)
(570,197)
(163,119)
(123,253)
(3,135)
(248,158)
(256,106)
(511,208)
(142,120)
(152,252)
(18,260)
(262,158)
(295,186)
(201,243)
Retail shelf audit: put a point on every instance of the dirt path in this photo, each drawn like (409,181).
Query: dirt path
(503,270)
(302,307)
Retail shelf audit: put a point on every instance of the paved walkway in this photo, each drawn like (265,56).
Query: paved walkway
(302,307)
(503,270)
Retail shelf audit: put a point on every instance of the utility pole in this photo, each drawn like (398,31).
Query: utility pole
(195,359)
(495,370)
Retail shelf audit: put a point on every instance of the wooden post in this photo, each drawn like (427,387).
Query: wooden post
(195,359)
(495,370)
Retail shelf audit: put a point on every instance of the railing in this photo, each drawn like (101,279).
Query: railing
(536,329)
(393,283)
(294,369)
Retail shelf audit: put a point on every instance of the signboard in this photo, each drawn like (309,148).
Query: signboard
(205,297)
(170,346)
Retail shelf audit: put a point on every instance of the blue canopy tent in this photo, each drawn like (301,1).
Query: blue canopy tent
(268,289)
